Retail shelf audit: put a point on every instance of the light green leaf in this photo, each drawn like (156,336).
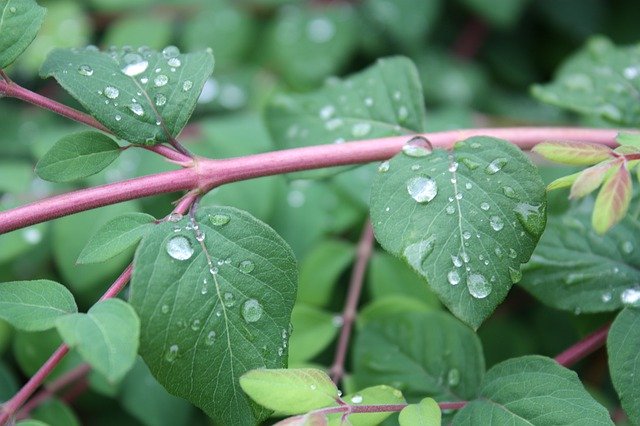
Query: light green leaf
(375,395)
(116,236)
(424,413)
(233,312)
(463,220)
(532,390)
(290,391)
(624,360)
(314,330)
(573,153)
(131,91)
(20,21)
(35,305)
(427,353)
(563,182)
(106,336)
(601,80)
(77,156)
(629,140)
(321,269)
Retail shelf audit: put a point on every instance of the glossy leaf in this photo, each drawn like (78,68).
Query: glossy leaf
(374,395)
(77,156)
(130,92)
(624,360)
(116,236)
(424,413)
(532,390)
(228,306)
(21,20)
(314,329)
(589,180)
(613,199)
(465,220)
(106,336)
(573,153)
(35,305)
(321,269)
(290,391)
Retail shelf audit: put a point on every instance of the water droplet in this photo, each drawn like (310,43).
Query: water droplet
(495,166)
(246,266)
(251,310)
(211,338)
(111,92)
(515,274)
(417,146)
(165,309)
(170,52)
(466,235)
(327,111)
(468,185)
(459,196)
(174,62)
(531,217)
(174,217)
(512,253)
(422,188)
(509,192)
(187,85)
(118,117)
(179,248)
(498,252)
(478,286)
(627,247)
(219,219)
(415,167)
(280,351)
(450,209)
(456,261)
(196,324)
(484,206)
(32,235)
(465,257)
(134,64)
(229,299)
(137,109)
(356,399)
(368,102)
(631,72)
(199,235)
(416,253)
(383,167)
(469,163)
(496,223)
(453,167)
(333,124)
(453,377)
(160,99)
(85,70)
(631,297)
(606,297)
(12,9)
(453,277)
(172,353)
(360,129)
(160,80)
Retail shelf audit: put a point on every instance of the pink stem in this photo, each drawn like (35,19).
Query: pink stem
(584,347)
(382,408)
(355,288)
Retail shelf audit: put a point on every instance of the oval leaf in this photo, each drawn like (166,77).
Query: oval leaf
(613,199)
(575,153)
(227,306)
(589,179)
(77,156)
(464,220)
(21,20)
(425,413)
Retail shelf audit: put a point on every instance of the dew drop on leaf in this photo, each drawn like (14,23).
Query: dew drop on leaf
(211,338)
(179,248)
(509,192)
(170,52)
(453,277)
(160,99)
(478,286)
(172,353)
(422,188)
(229,299)
(165,309)
(484,206)
(515,275)
(627,247)
(356,399)
(495,166)
(111,92)
(137,109)
(196,324)
(174,217)
(360,129)
(219,219)
(631,297)
(85,70)
(456,261)
(531,217)
(453,377)
(118,117)
(251,310)
(496,223)
(606,297)
(174,62)
(246,266)
(512,253)
(383,167)
(450,209)
(160,80)
(416,253)
(187,85)
(470,164)
(134,64)
(417,146)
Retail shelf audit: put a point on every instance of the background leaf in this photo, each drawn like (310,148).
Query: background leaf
(574,153)
(613,199)
(314,329)
(424,413)
(21,20)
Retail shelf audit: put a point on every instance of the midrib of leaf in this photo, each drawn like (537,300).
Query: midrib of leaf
(505,409)
(4,11)
(152,105)
(105,338)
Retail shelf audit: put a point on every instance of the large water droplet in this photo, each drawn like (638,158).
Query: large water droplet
(453,277)
(416,253)
(478,286)
(496,223)
(179,248)
(134,64)
(160,99)
(160,80)
(509,192)
(422,188)
(495,166)
(251,310)
(172,353)
(631,297)
(417,146)
(111,92)
(219,219)
(170,52)
(85,70)
(383,167)
(246,266)
(531,217)
(456,261)
(515,274)
(187,85)
(453,377)
(136,109)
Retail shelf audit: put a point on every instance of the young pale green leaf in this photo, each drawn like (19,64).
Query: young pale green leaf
(77,156)
(601,79)
(20,22)
(563,182)
(315,329)
(624,359)
(290,391)
(613,199)
(589,180)
(225,301)
(116,236)
(106,336)
(573,153)
(427,353)
(142,96)
(35,305)
(463,220)
(573,268)
(629,140)
(424,413)
(532,390)
(375,395)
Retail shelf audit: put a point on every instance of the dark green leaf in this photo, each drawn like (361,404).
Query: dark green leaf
(54,412)
(227,305)
(313,329)
(35,305)
(8,383)
(532,390)
(77,156)
(31,422)
(624,360)
(131,91)
(464,220)
(116,236)
(20,22)
(502,13)
(424,413)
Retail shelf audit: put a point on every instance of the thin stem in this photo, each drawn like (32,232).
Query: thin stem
(365,246)
(5,77)
(584,347)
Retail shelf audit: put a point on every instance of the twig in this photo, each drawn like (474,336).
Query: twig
(584,347)
(5,77)
(365,247)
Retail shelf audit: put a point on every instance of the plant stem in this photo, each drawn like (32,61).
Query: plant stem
(365,246)
(584,347)
(211,173)
(5,77)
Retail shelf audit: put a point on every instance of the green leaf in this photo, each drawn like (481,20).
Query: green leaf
(19,25)
(35,305)
(15,176)
(601,80)
(613,199)
(624,360)
(130,91)
(290,391)
(501,13)
(629,139)
(77,156)
(573,268)
(142,30)
(54,412)
(563,182)
(427,353)
(320,270)
(573,153)
(375,395)
(425,413)
(8,383)
(532,390)
(106,336)
(314,329)
(233,311)
(116,236)
(389,306)
(31,422)
(463,220)
(589,180)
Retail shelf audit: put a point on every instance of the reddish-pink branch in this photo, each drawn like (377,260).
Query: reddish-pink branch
(584,347)
(350,308)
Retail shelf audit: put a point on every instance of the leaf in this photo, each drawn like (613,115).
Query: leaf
(31,422)
(601,80)
(77,156)
(389,306)
(106,336)
(116,236)
(55,413)
(15,176)
(624,360)
(573,153)
(293,391)
(19,25)
(613,199)
(233,313)
(589,180)
(464,220)
(563,182)
(8,383)
(314,330)
(425,413)
(427,353)
(35,305)
(532,390)
(375,395)
(629,140)
(130,91)
(501,13)
(309,419)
